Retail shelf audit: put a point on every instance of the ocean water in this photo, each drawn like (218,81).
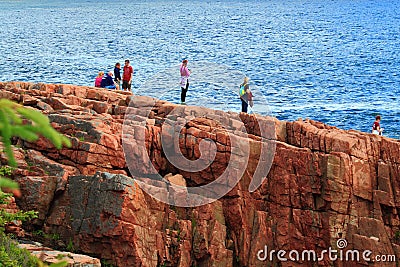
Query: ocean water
(335,61)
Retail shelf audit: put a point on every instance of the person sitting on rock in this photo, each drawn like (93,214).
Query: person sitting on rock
(97,81)
(376,127)
(108,82)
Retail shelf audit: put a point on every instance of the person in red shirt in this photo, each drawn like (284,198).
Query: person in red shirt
(376,127)
(127,76)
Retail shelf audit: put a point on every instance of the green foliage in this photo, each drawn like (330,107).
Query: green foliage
(5,182)
(70,246)
(13,256)
(40,233)
(6,170)
(57,264)
(6,217)
(27,124)
(105,263)
(397,235)
(194,223)
(14,120)
(53,236)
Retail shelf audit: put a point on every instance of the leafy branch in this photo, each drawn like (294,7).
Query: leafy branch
(27,124)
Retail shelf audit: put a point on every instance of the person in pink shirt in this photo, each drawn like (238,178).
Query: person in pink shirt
(97,81)
(185,73)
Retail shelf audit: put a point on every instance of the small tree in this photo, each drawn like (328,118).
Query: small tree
(27,124)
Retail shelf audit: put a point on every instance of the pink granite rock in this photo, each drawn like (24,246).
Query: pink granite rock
(324,183)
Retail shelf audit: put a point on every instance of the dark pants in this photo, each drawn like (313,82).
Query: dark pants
(184,91)
(126,85)
(244,106)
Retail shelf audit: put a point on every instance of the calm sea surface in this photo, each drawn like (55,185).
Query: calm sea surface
(336,61)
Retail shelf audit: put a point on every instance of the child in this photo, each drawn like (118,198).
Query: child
(376,127)
(117,74)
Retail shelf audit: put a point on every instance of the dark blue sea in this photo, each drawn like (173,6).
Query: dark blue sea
(335,61)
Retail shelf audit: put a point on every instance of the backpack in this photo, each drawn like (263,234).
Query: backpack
(242,90)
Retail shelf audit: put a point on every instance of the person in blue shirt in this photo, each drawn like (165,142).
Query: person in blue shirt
(117,74)
(108,82)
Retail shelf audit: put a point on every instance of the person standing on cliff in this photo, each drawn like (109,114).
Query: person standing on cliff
(127,76)
(117,74)
(185,73)
(246,97)
(376,127)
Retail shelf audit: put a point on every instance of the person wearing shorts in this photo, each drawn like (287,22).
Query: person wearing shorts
(376,127)
(127,76)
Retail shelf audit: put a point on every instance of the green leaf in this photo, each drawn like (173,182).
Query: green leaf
(11,114)
(56,138)
(7,183)
(24,133)
(6,138)
(59,264)
(12,119)
(7,103)
(34,116)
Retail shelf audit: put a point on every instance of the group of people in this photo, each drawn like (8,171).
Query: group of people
(245,94)
(107,81)
(246,97)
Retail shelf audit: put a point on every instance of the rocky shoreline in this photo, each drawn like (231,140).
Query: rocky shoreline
(324,184)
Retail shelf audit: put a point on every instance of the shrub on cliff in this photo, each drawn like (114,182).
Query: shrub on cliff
(27,124)
(11,255)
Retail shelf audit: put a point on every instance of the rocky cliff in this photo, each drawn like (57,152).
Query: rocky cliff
(324,184)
